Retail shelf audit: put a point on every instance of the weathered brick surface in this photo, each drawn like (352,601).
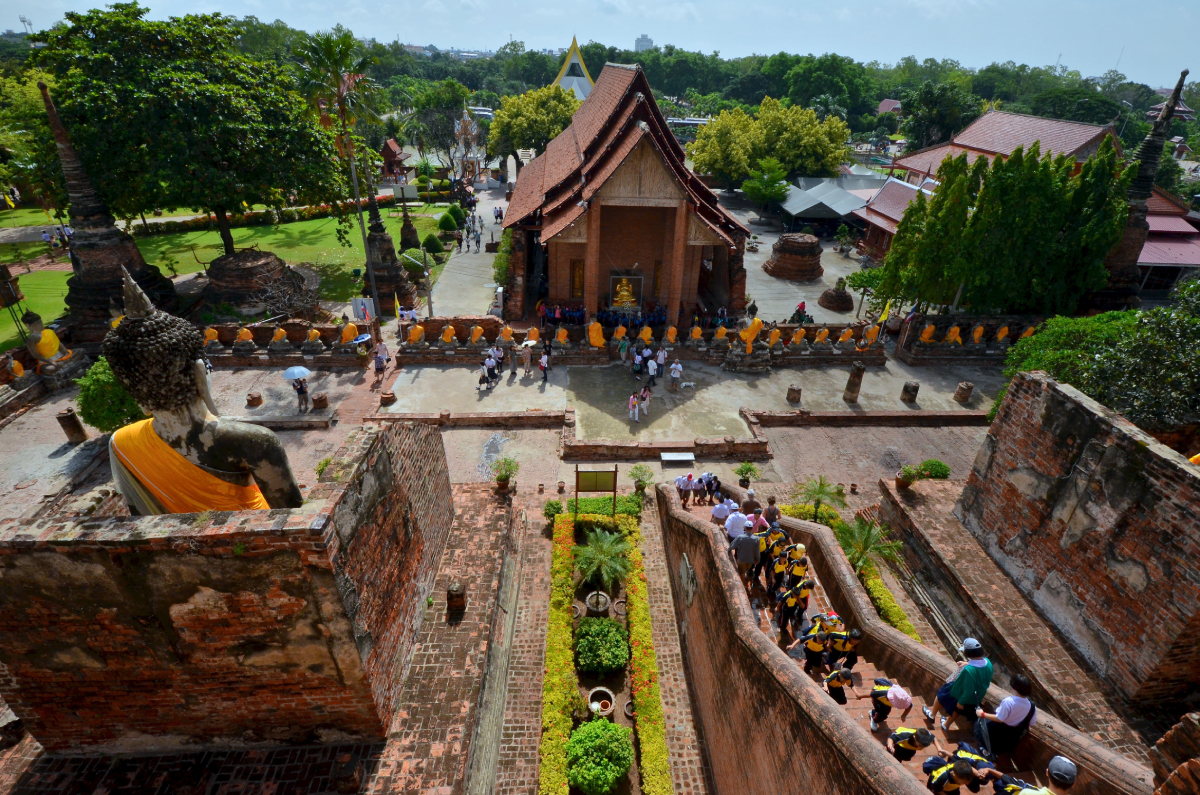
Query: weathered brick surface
(1095,522)
(1175,749)
(258,626)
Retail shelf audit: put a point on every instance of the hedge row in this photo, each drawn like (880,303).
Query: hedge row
(655,765)
(500,263)
(252,218)
(627,504)
(877,591)
(560,685)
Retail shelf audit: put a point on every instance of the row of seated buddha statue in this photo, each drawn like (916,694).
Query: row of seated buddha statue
(279,344)
(447,339)
(976,341)
(53,361)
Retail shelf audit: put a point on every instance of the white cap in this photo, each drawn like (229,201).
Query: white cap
(750,492)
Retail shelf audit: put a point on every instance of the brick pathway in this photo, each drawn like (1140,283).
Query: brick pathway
(689,770)
(429,741)
(517,770)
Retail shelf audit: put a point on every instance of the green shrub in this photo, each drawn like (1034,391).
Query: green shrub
(500,263)
(440,183)
(628,504)
(504,468)
(460,215)
(103,403)
(552,509)
(826,516)
(747,470)
(447,223)
(641,475)
(604,559)
(560,684)
(432,244)
(885,604)
(934,469)
(422,179)
(601,646)
(598,755)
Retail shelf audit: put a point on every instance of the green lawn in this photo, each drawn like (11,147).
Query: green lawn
(19,252)
(23,216)
(44,292)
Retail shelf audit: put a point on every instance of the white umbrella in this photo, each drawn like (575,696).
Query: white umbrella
(295,372)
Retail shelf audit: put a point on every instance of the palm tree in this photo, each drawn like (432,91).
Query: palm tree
(826,106)
(604,559)
(333,77)
(865,540)
(820,490)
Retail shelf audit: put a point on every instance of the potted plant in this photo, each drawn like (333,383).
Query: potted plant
(746,472)
(503,470)
(907,476)
(642,476)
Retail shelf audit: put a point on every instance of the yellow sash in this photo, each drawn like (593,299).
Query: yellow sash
(180,485)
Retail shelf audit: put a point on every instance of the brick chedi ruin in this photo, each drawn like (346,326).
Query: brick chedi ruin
(244,277)
(391,279)
(1124,276)
(796,257)
(98,249)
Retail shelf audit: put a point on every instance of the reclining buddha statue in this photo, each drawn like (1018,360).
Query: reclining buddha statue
(185,459)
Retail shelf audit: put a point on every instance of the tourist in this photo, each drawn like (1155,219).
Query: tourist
(772,513)
(999,732)
(835,684)
(792,605)
(697,491)
(490,364)
(541,313)
(644,400)
(633,412)
(1061,774)
(843,647)
(983,767)
(796,569)
(720,513)
(814,643)
(904,743)
(759,522)
(381,356)
(734,523)
(301,387)
(623,350)
(779,563)
(495,215)
(483,377)
(547,350)
(963,694)
(886,694)
(713,487)
(526,357)
(749,504)
(544,365)
(676,375)
(744,549)
(683,484)
(651,370)
(458,239)
(661,358)
(637,366)
(646,353)
(947,776)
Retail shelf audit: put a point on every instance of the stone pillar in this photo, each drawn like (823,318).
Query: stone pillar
(909,393)
(678,257)
(591,260)
(854,382)
(963,393)
(793,393)
(72,426)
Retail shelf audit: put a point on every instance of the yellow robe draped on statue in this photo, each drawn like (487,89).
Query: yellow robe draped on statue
(773,337)
(749,334)
(798,336)
(180,485)
(476,333)
(349,333)
(48,347)
(210,334)
(244,335)
(506,334)
(416,334)
(314,335)
(596,334)
(1002,334)
(721,332)
(561,336)
(533,335)
(672,333)
(646,334)
(619,334)
(696,333)
(846,335)
(279,336)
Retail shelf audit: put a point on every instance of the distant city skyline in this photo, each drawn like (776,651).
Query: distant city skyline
(1091,38)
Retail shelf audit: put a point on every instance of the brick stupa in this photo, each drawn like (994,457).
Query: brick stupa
(795,257)
(391,279)
(98,249)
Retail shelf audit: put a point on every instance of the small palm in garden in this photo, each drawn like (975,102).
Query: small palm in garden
(604,559)
(819,491)
(864,540)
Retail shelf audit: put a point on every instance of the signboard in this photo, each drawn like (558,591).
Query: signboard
(406,192)
(593,480)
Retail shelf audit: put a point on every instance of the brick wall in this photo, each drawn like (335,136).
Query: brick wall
(1176,758)
(1099,525)
(636,234)
(216,628)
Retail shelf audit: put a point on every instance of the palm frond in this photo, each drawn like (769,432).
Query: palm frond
(603,559)
(864,540)
(820,491)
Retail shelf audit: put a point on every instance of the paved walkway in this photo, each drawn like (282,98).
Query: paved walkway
(466,286)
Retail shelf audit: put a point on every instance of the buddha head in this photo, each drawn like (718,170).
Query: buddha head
(158,358)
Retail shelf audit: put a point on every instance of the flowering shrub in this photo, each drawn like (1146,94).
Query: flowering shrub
(560,685)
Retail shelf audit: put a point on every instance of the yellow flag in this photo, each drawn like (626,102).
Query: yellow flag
(8,200)
(396,299)
(886,310)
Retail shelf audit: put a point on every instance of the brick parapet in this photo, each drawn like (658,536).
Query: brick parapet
(1102,770)
(1093,519)
(846,419)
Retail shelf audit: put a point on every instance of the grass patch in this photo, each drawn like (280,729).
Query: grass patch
(627,504)
(24,216)
(19,252)
(44,293)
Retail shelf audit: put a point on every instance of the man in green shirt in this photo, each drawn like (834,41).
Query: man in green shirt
(962,694)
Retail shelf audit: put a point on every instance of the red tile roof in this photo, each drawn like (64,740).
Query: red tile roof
(1162,203)
(887,207)
(886,105)
(392,149)
(619,112)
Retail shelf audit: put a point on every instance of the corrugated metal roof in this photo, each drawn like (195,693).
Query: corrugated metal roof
(1172,250)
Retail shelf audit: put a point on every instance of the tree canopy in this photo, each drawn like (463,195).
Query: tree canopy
(531,120)
(933,112)
(167,114)
(767,183)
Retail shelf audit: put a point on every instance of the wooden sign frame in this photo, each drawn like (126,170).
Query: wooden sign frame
(595,480)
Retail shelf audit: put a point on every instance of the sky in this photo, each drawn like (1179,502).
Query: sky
(1091,36)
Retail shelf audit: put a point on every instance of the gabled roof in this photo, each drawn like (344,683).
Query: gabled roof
(1000,133)
(1171,250)
(887,207)
(574,73)
(886,105)
(619,113)
(1163,203)
(393,149)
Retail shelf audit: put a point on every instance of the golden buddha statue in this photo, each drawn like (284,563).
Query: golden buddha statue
(927,333)
(596,334)
(672,333)
(186,459)
(448,334)
(750,333)
(506,334)
(773,337)
(416,334)
(953,336)
(846,335)
(314,335)
(44,344)
(720,333)
(210,334)
(533,335)
(349,332)
(623,296)
(619,334)
(798,335)
(476,333)
(645,334)
(1002,334)
(696,333)
(977,335)
(280,335)
(560,336)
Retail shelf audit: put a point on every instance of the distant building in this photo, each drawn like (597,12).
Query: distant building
(574,74)
(882,213)
(1172,250)
(888,106)
(1182,112)
(643,43)
(393,160)
(1179,148)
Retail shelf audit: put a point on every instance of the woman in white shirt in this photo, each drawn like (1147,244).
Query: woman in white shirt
(1012,719)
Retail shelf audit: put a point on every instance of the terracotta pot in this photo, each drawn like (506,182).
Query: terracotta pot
(744,483)
(901,483)
(604,698)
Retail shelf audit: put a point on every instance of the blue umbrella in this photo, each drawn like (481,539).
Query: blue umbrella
(361,338)
(293,373)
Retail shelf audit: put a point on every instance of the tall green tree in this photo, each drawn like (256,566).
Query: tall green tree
(531,120)
(1076,103)
(724,147)
(767,184)
(838,76)
(435,110)
(933,112)
(167,114)
(798,139)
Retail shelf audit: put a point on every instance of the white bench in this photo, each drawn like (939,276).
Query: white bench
(677,458)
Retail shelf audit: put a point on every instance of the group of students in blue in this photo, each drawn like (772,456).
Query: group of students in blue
(830,650)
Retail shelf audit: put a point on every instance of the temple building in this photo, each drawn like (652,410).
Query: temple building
(574,74)
(610,216)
